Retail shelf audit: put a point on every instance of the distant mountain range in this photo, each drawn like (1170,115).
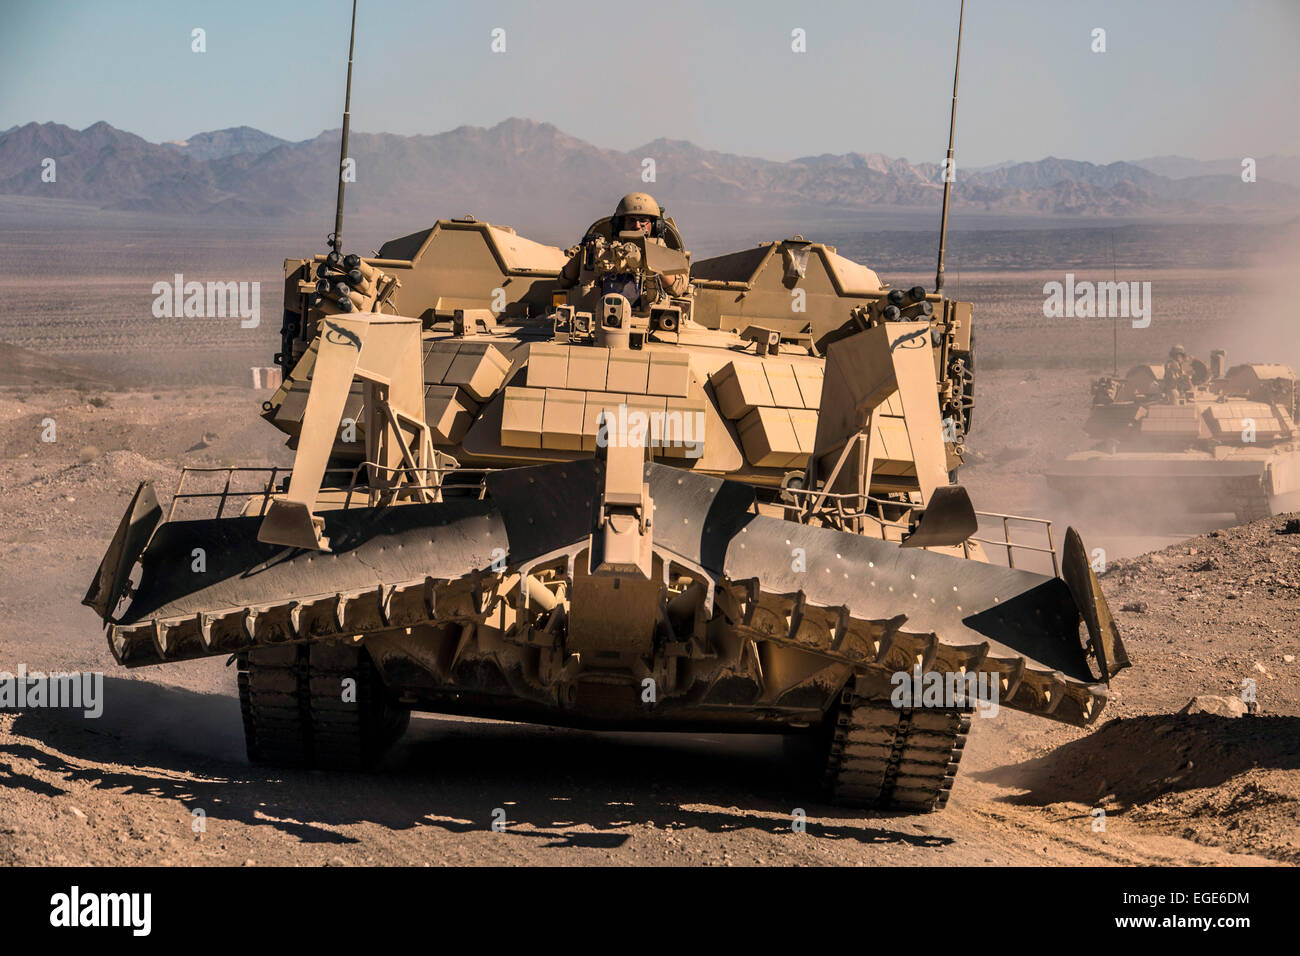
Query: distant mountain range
(1282,169)
(522,164)
(227,142)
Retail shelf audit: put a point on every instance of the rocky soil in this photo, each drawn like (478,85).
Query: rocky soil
(161,776)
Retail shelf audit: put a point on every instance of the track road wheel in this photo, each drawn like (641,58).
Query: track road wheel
(894,758)
(292,699)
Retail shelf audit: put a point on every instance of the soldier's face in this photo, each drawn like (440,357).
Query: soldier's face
(639,224)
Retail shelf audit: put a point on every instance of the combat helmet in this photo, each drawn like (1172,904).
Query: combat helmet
(637,204)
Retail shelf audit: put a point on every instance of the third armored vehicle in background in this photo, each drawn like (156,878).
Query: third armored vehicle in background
(1190,437)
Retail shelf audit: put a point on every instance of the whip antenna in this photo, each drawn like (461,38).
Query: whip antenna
(948,173)
(336,237)
(1114,321)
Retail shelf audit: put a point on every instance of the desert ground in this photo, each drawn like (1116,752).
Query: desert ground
(1202,606)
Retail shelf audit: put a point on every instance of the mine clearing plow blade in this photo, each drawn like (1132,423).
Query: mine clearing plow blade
(853,599)
(210,587)
(916,612)
(873,604)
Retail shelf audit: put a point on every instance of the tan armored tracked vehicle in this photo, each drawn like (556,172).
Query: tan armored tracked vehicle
(611,509)
(611,488)
(1190,437)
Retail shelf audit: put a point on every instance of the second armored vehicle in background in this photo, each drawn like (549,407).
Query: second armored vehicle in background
(1190,437)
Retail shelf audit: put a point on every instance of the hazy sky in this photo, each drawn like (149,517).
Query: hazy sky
(1196,78)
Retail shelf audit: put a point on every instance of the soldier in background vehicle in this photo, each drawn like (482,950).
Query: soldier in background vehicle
(1178,373)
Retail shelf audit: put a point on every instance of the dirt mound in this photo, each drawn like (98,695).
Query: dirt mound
(1131,761)
(111,470)
(1215,779)
(1257,810)
(75,497)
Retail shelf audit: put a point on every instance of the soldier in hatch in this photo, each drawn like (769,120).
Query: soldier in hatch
(636,213)
(1178,373)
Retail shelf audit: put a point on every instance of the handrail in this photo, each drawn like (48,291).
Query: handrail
(845,517)
(1010,545)
(432,474)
